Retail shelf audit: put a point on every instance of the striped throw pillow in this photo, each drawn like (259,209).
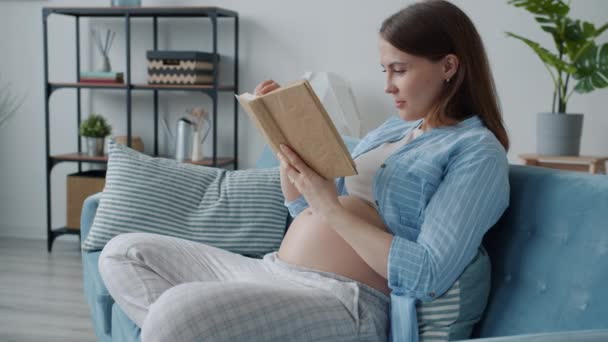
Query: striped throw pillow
(241,211)
(453,315)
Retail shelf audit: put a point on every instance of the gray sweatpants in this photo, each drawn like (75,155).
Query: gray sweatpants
(180,290)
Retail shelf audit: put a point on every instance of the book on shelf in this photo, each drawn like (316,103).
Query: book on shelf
(293,115)
(100,76)
(97,80)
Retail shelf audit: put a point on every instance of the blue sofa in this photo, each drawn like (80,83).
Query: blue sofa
(549,256)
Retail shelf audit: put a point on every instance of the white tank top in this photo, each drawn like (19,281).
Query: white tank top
(368,163)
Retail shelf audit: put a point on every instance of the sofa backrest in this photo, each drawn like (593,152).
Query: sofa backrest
(549,255)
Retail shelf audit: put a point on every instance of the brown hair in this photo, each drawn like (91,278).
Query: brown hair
(433,29)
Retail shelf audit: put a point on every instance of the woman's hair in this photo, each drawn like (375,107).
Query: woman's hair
(434,28)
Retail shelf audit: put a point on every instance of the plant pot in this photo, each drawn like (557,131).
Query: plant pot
(123,3)
(558,134)
(95,146)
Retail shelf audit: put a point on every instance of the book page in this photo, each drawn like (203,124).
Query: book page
(293,115)
(309,130)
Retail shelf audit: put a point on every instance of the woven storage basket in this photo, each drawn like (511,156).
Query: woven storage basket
(180,67)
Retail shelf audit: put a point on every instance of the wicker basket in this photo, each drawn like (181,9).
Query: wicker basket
(180,67)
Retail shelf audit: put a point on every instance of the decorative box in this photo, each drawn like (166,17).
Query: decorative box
(136,143)
(79,187)
(180,67)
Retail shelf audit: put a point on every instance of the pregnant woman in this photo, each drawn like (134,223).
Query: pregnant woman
(365,255)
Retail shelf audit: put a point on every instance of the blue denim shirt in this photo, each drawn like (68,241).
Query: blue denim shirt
(438,195)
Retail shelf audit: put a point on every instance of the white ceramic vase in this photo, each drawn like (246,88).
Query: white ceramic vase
(196,146)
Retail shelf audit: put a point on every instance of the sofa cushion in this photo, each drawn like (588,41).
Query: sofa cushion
(123,329)
(241,211)
(549,255)
(591,335)
(97,295)
(452,315)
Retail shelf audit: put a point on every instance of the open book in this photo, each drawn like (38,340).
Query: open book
(294,116)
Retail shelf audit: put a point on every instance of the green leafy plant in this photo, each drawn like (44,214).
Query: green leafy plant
(578,57)
(95,126)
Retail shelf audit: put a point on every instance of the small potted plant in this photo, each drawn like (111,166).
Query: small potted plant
(577,58)
(95,129)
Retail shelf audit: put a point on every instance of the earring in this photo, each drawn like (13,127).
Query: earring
(447,80)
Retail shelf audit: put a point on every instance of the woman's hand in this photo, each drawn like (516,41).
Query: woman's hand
(266,87)
(290,192)
(320,193)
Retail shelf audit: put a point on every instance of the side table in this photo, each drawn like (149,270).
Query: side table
(593,165)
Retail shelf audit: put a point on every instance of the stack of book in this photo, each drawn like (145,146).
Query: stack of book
(105,77)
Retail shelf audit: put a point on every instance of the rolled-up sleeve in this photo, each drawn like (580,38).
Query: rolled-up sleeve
(297,205)
(470,199)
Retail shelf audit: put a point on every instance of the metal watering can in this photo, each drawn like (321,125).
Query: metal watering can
(181,141)
(186,142)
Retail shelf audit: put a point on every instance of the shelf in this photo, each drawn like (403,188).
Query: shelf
(205,87)
(142,86)
(52,234)
(79,157)
(156,11)
(66,230)
(210,16)
(83,157)
(55,86)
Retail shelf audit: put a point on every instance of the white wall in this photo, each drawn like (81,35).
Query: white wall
(279,40)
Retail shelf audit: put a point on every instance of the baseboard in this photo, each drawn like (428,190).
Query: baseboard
(29,232)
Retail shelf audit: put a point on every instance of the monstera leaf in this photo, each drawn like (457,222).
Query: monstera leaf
(545,55)
(579,36)
(592,69)
(577,54)
(543,7)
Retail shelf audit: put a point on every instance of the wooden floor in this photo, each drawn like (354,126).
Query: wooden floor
(41,295)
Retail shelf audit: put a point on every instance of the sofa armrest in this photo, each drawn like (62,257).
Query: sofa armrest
(593,335)
(89,208)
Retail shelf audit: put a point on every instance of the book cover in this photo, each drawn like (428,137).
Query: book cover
(293,115)
(102,74)
(100,80)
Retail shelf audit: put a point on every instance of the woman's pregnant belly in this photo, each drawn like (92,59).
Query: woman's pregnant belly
(311,243)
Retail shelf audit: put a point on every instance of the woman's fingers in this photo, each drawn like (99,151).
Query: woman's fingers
(268,88)
(294,160)
(258,88)
(286,166)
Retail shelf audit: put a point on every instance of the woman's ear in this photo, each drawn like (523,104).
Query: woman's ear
(450,66)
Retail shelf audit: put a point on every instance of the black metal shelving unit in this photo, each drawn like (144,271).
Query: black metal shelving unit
(213,90)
